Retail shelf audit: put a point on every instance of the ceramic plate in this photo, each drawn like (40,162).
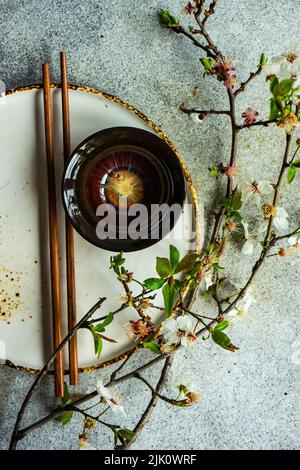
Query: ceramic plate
(25,313)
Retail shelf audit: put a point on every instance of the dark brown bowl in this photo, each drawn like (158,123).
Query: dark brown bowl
(128,162)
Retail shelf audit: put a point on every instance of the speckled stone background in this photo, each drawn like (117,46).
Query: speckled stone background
(250,399)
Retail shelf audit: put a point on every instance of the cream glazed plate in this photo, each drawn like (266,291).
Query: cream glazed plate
(25,302)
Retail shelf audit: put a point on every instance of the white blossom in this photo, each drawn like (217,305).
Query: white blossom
(280,220)
(287,64)
(294,241)
(290,246)
(186,388)
(208,280)
(84,444)
(113,400)
(255,190)
(179,331)
(244,307)
(251,240)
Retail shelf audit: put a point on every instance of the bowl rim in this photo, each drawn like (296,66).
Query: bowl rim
(141,131)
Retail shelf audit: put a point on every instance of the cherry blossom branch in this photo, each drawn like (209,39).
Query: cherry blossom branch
(268,240)
(233,155)
(152,403)
(21,433)
(80,324)
(57,412)
(162,380)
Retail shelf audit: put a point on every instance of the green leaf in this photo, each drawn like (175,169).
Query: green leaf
(66,398)
(274,111)
(221,326)
(98,345)
(237,215)
(222,340)
(217,267)
(279,105)
(178,285)
(126,433)
(117,260)
(152,346)
(116,438)
(225,202)
(273,82)
(292,171)
(263,59)
(207,63)
(163,267)
(169,295)
(283,88)
(153,283)
(187,262)
(100,327)
(174,256)
(296,163)
(213,171)
(66,417)
(167,20)
(236,201)
(164,18)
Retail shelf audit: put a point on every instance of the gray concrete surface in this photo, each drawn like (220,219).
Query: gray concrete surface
(250,398)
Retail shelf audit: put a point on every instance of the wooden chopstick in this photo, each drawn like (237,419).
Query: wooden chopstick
(71,287)
(53,234)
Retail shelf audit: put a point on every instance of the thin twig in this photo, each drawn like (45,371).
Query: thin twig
(129,355)
(203,112)
(287,235)
(180,30)
(233,152)
(268,242)
(120,309)
(150,408)
(252,76)
(87,397)
(294,156)
(211,44)
(257,123)
(210,11)
(154,392)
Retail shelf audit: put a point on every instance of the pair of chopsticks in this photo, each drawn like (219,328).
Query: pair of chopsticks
(53,231)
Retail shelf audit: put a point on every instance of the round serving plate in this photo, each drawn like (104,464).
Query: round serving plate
(25,302)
